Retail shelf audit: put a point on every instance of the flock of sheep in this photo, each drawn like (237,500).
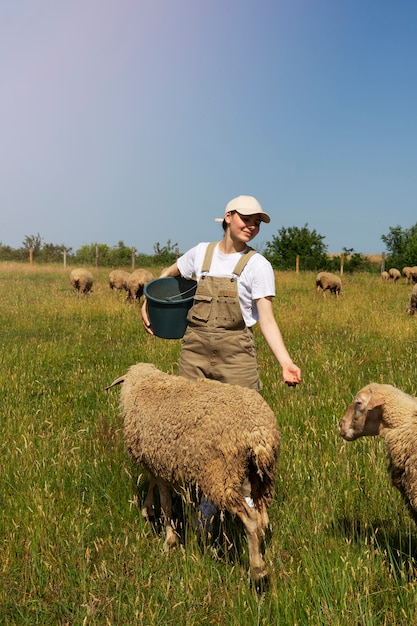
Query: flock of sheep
(133,283)
(326,281)
(82,281)
(394,275)
(173,431)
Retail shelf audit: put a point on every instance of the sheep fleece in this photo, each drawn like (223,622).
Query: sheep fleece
(118,279)
(136,282)
(326,280)
(401,443)
(81,280)
(186,431)
(412,304)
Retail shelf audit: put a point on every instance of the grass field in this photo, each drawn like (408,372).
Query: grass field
(74,547)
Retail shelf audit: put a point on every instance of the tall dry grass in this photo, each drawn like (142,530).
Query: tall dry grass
(74,548)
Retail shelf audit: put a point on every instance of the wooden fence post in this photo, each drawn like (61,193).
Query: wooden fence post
(342,261)
(30,255)
(383,262)
(297,264)
(96,257)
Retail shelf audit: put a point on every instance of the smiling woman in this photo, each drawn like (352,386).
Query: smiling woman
(235,290)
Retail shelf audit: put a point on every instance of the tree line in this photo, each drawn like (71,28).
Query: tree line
(91,254)
(283,251)
(290,243)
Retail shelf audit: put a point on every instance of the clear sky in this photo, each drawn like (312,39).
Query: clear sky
(137,120)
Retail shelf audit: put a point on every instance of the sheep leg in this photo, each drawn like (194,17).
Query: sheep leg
(148,508)
(263,519)
(171,539)
(251,517)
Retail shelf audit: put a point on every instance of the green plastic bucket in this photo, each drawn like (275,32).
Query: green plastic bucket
(168,301)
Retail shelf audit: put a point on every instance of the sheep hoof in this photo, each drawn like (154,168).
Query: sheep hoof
(260,579)
(171,540)
(170,545)
(147,513)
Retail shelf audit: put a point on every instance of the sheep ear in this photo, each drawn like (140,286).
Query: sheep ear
(376,399)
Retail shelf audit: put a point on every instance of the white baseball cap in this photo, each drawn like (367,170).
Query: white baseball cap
(247,205)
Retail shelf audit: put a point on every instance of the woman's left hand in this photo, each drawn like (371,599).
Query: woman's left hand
(291,374)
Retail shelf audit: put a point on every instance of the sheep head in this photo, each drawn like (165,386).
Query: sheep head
(364,417)
(135,373)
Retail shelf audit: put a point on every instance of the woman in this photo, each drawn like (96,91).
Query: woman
(235,290)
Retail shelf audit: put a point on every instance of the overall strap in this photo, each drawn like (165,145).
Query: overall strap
(248,254)
(208,257)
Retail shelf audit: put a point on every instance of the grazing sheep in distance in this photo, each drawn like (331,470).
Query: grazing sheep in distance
(221,439)
(326,280)
(136,283)
(412,303)
(384,276)
(81,280)
(394,274)
(407,274)
(413,274)
(118,280)
(389,412)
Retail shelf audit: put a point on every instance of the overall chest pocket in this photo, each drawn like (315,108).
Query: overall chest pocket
(201,309)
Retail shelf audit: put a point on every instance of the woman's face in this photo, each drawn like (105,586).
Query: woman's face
(243,227)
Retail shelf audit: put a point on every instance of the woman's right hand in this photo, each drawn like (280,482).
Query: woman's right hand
(172,270)
(145,319)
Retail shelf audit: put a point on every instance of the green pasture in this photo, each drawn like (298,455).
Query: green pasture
(74,549)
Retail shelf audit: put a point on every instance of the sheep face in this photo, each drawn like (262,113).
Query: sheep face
(364,416)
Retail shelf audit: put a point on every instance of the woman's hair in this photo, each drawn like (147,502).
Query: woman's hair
(224,225)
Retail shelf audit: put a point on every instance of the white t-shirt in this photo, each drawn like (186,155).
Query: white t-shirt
(256,281)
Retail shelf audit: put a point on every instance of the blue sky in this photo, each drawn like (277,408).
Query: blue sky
(137,120)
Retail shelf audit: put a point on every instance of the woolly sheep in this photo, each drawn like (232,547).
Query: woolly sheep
(136,283)
(384,276)
(326,280)
(412,304)
(413,274)
(81,280)
(389,412)
(407,274)
(394,274)
(219,438)
(118,280)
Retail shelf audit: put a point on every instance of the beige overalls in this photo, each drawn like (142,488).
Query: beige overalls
(217,343)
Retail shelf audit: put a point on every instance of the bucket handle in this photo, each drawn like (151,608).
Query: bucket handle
(178,295)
